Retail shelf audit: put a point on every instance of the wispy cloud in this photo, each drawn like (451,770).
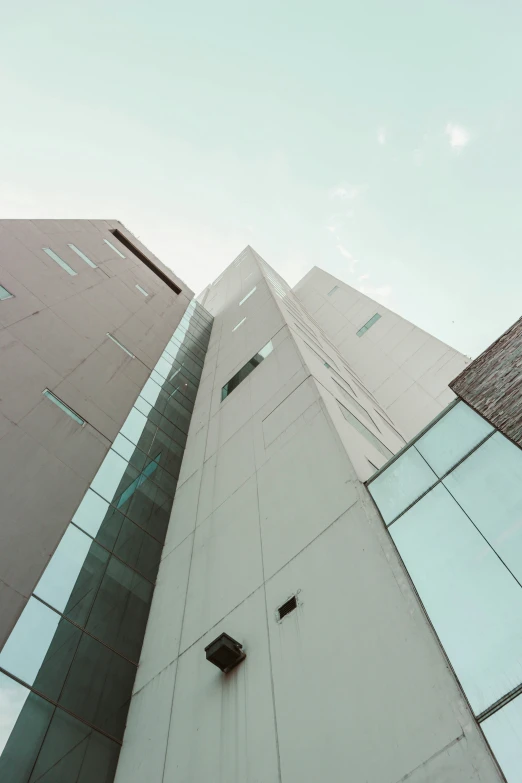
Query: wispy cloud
(344,192)
(344,252)
(458,135)
(381,136)
(363,277)
(349,257)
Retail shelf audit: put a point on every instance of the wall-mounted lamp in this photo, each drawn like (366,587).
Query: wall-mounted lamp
(225,653)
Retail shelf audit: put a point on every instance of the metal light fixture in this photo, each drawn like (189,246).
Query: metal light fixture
(225,652)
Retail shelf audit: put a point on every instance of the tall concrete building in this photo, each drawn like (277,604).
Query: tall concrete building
(338,587)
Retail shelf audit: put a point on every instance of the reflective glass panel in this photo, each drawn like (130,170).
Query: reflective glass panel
(4,293)
(99,519)
(401,483)
(157,418)
(139,549)
(113,476)
(120,610)
(56,258)
(83,256)
(452,437)
(368,324)
(134,427)
(27,645)
(41,648)
(334,289)
(503,731)
(242,321)
(54,399)
(472,600)
(247,368)
(174,390)
(149,506)
(118,252)
(141,290)
(247,296)
(131,453)
(24,720)
(99,686)
(71,579)
(488,486)
(72,751)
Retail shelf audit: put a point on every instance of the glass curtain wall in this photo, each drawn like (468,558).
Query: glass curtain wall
(452,501)
(68,667)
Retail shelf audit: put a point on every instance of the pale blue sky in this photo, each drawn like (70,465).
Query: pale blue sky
(379,140)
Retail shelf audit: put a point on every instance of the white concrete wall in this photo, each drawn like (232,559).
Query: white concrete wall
(352,685)
(406,369)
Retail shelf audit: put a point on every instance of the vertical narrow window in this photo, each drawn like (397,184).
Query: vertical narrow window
(245,371)
(120,345)
(4,293)
(114,248)
(247,296)
(368,324)
(54,399)
(239,324)
(334,289)
(59,261)
(82,256)
(141,290)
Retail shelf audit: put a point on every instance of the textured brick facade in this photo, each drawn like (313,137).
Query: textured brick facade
(492,384)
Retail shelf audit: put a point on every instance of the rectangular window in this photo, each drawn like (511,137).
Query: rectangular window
(63,406)
(118,252)
(365,432)
(239,324)
(4,293)
(143,258)
(59,260)
(368,324)
(246,297)
(141,290)
(83,256)
(334,289)
(245,371)
(114,340)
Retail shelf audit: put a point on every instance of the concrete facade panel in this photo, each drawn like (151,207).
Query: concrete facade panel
(34,516)
(53,341)
(391,345)
(24,377)
(147,730)
(184,513)
(55,337)
(222,728)
(226,562)
(356,712)
(81,448)
(311,466)
(167,610)
(351,684)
